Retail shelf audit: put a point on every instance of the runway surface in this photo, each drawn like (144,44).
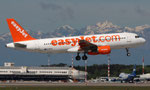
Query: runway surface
(71,84)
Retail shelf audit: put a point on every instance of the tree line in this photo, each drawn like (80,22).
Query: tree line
(100,70)
(95,71)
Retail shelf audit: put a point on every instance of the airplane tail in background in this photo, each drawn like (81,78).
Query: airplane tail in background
(17,32)
(134,70)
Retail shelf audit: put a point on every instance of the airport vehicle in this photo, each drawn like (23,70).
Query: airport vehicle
(123,77)
(87,44)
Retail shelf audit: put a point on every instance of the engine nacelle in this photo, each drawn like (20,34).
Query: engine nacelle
(104,49)
(101,50)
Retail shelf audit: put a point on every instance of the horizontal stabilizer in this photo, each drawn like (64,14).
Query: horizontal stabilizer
(20,45)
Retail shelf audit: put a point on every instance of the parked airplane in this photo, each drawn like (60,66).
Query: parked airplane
(87,44)
(144,77)
(128,77)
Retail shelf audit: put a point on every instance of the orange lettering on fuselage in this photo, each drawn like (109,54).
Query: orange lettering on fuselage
(82,37)
(94,39)
(74,41)
(77,40)
(88,39)
(101,39)
(108,38)
(60,42)
(116,37)
(68,42)
(54,42)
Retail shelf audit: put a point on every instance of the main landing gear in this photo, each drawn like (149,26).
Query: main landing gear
(84,57)
(78,57)
(128,54)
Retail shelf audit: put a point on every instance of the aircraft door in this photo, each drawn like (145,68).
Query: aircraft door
(128,39)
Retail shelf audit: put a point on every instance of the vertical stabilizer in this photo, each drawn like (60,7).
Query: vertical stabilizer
(134,70)
(17,32)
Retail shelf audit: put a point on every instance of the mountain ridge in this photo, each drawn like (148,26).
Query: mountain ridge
(98,28)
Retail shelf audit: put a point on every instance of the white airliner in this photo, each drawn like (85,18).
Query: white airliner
(87,44)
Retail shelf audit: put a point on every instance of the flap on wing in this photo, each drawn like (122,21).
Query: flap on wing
(74,49)
(86,46)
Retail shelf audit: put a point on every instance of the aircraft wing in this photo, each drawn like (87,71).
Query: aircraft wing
(84,46)
(87,46)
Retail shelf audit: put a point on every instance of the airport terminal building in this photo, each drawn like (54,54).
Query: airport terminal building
(11,72)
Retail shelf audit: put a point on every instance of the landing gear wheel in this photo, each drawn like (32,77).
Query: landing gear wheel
(84,57)
(78,57)
(128,54)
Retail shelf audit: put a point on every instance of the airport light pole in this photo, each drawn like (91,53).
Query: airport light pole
(48,59)
(143,65)
(85,72)
(72,62)
(72,69)
(108,66)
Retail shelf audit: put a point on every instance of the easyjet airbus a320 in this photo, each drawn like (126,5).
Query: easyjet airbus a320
(87,44)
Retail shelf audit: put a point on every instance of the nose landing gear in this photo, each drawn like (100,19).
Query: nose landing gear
(127,50)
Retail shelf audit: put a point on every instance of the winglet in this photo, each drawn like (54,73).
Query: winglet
(17,32)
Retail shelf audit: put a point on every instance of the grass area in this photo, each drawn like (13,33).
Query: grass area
(77,88)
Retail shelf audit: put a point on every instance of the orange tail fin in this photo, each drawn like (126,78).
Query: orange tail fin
(17,32)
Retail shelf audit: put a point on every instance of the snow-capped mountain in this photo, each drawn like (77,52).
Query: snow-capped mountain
(65,30)
(102,27)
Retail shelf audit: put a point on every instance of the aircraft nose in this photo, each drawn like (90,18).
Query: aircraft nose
(143,40)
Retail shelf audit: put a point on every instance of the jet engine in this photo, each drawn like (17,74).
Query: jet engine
(101,50)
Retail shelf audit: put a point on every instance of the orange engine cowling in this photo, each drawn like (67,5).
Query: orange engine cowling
(104,49)
(101,50)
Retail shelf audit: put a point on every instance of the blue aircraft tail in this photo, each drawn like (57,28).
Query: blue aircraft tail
(134,71)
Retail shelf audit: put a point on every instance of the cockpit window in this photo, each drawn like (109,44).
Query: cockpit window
(137,36)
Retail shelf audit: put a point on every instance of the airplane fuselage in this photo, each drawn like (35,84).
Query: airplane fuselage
(87,44)
(70,44)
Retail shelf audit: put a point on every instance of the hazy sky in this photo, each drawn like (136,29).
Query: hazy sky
(47,15)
